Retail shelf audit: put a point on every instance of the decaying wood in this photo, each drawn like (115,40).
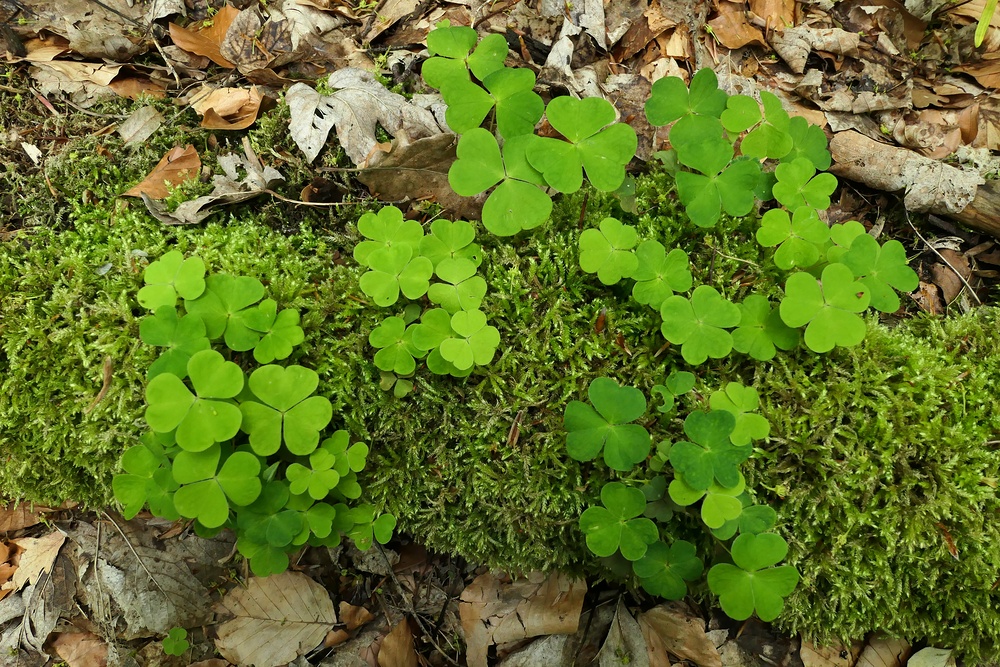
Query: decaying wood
(929,186)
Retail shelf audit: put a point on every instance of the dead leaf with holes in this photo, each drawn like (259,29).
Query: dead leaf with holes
(81,649)
(358,105)
(245,177)
(672,628)
(276,619)
(174,168)
(497,611)
(227,108)
(207,40)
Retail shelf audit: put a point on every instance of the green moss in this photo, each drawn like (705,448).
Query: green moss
(871,448)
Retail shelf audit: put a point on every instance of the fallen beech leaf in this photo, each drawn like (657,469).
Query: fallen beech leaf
(931,657)
(81,649)
(207,41)
(397,648)
(16,517)
(625,643)
(134,87)
(95,73)
(777,13)
(177,166)
(140,125)
(389,11)
(38,556)
(227,108)
(493,611)
(671,628)
(277,618)
(732,28)
(354,616)
(834,655)
(884,653)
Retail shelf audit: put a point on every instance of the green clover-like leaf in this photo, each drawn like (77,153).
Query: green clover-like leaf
(515,206)
(741,114)
(451,45)
(761,330)
(883,269)
(451,240)
(732,190)
(799,185)
(699,325)
(751,585)
(284,410)
(770,139)
(385,229)
(671,99)
(395,270)
(518,106)
(606,426)
(614,527)
(602,153)
(720,504)
(479,165)
(664,570)
(608,251)
(753,520)
(318,479)
(170,276)
(743,403)
(711,456)
(828,307)
(396,350)
(227,300)
(182,336)
(147,479)
(799,237)
(659,274)
(434,329)
(281,332)
(202,418)
(842,235)
(659,507)
(475,342)
(462,289)
(264,559)
(809,142)
(205,493)
(176,643)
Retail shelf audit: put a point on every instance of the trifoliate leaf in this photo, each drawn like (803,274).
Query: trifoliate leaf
(170,276)
(800,237)
(395,270)
(828,307)
(743,403)
(699,324)
(222,306)
(797,186)
(883,269)
(615,527)
(671,99)
(608,251)
(720,504)
(451,240)
(475,342)
(664,570)
(751,585)
(705,197)
(285,412)
(384,229)
(182,336)
(396,350)
(659,274)
(761,330)
(809,142)
(711,455)
(606,426)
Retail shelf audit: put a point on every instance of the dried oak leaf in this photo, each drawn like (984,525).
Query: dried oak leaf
(177,166)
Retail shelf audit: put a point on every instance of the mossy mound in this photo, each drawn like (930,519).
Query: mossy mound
(871,448)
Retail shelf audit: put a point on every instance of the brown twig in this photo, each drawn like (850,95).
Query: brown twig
(941,257)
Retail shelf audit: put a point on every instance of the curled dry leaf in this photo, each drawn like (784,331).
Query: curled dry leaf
(496,612)
(177,166)
(276,619)
(206,42)
(227,108)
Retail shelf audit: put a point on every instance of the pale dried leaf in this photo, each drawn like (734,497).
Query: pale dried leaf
(359,103)
(177,166)
(397,648)
(931,657)
(733,29)
(386,14)
(276,619)
(776,13)
(496,612)
(38,556)
(354,616)
(227,108)
(16,517)
(81,649)
(140,125)
(884,653)
(625,643)
(679,633)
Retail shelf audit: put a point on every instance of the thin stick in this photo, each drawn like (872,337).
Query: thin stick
(134,552)
(941,257)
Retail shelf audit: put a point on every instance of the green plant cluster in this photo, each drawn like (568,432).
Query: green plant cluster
(454,336)
(510,160)
(232,449)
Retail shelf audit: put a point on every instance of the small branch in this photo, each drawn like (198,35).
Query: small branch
(941,257)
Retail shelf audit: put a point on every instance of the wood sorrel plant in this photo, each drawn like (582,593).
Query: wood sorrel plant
(729,154)
(229,448)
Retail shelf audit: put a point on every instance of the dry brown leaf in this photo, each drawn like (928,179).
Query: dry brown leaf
(671,628)
(625,643)
(884,653)
(386,14)
(494,611)
(214,662)
(945,276)
(177,166)
(140,125)
(928,298)
(397,648)
(38,556)
(652,24)
(277,618)
(133,87)
(16,517)
(733,29)
(834,655)
(227,108)
(208,41)
(81,649)
(354,616)
(776,13)
(71,70)
(244,44)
